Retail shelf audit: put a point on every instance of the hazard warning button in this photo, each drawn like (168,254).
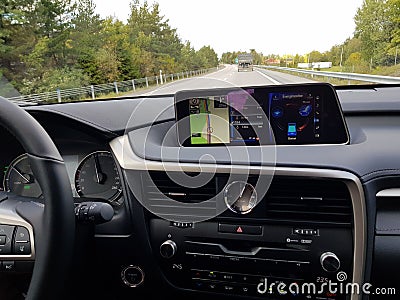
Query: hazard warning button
(240,229)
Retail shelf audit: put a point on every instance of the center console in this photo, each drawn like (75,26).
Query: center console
(253,228)
(292,238)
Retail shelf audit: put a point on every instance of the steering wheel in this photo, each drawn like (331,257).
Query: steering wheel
(34,231)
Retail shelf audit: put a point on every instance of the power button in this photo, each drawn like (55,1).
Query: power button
(132,276)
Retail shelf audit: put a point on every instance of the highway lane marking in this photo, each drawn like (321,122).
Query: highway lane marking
(269,78)
(169,84)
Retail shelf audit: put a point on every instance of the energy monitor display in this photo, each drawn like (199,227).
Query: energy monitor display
(285,115)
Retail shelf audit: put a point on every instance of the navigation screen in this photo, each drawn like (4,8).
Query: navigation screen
(209,121)
(285,115)
(226,119)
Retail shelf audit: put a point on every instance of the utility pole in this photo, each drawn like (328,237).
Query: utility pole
(395,57)
(341,59)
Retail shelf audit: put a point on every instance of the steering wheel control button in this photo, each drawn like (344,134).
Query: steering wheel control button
(21,241)
(22,248)
(132,276)
(3,239)
(22,235)
(7,231)
(8,266)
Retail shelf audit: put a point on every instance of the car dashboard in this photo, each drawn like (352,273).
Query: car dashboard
(226,222)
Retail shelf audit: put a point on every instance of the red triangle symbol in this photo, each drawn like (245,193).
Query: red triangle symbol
(239,230)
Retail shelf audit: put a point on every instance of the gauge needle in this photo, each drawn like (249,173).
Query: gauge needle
(100,176)
(96,167)
(20,174)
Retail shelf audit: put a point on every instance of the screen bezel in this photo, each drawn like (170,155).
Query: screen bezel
(336,127)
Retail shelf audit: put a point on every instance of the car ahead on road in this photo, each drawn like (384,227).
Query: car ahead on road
(261,185)
(245,62)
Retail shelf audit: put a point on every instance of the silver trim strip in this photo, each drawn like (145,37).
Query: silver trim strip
(389,193)
(130,161)
(8,216)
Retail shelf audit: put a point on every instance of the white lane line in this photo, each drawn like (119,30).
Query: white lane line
(269,78)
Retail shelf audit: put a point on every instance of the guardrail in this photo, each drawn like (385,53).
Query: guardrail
(95,91)
(339,75)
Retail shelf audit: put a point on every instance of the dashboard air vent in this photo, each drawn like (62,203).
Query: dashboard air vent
(309,200)
(167,198)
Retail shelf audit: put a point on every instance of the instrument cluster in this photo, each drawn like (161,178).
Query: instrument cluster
(94,175)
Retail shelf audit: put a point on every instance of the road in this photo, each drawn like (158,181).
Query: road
(226,77)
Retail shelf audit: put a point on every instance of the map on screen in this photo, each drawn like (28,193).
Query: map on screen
(209,120)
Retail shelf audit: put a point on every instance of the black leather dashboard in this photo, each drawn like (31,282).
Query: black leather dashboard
(373,136)
(373,118)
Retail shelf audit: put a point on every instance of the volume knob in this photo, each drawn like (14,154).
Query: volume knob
(168,249)
(330,262)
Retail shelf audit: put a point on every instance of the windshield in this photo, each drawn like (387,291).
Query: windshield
(54,51)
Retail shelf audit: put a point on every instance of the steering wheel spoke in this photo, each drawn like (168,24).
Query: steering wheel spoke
(17,241)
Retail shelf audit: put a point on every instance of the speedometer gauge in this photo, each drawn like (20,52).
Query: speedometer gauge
(97,177)
(19,178)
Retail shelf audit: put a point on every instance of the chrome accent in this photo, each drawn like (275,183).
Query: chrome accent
(311,198)
(230,205)
(325,256)
(9,216)
(129,160)
(126,282)
(171,244)
(395,192)
(177,194)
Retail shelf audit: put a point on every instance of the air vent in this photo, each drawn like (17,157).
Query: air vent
(167,198)
(309,200)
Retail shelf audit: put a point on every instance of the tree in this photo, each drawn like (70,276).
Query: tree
(257,57)
(187,57)
(47,44)
(208,56)
(86,37)
(316,56)
(374,27)
(149,31)
(394,17)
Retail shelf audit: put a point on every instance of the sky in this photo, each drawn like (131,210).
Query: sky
(269,26)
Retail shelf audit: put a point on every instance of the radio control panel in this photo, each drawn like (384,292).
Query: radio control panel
(259,260)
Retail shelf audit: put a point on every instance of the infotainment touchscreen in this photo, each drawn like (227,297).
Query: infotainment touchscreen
(293,114)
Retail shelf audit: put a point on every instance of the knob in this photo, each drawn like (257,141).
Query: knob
(168,249)
(330,262)
(132,276)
